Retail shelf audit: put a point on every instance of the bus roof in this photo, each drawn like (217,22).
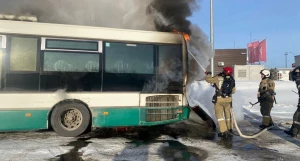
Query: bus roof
(87,32)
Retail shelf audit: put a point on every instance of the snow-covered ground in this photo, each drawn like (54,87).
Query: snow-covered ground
(198,142)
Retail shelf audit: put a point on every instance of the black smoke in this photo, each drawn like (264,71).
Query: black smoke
(176,13)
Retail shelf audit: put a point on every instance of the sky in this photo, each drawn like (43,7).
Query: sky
(234,20)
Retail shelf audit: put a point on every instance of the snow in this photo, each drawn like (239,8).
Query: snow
(286,99)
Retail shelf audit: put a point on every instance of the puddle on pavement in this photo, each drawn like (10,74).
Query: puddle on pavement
(74,154)
(175,150)
(251,147)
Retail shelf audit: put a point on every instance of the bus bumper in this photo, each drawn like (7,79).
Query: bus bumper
(139,116)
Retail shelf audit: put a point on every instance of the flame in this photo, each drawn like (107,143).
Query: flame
(186,36)
(175,31)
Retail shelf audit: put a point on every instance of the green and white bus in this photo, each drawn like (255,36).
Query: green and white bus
(73,78)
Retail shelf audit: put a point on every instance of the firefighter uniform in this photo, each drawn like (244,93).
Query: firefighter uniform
(266,98)
(222,104)
(295,129)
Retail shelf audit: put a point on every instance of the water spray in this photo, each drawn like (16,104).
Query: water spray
(159,16)
(196,60)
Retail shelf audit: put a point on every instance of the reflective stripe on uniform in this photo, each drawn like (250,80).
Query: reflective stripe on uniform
(296,122)
(221,119)
(266,116)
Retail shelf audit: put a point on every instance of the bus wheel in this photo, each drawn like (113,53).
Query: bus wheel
(70,119)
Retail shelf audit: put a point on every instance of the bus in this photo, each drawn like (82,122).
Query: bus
(72,78)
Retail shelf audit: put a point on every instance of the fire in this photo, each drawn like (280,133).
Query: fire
(186,36)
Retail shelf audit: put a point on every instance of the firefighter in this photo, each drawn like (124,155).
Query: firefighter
(295,129)
(265,96)
(224,84)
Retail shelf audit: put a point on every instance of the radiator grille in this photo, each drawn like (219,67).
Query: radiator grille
(153,115)
(162,101)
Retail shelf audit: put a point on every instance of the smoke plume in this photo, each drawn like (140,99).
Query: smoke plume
(176,12)
(152,15)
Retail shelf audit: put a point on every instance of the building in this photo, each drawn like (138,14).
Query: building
(228,58)
(283,74)
(247,72)
(297,61)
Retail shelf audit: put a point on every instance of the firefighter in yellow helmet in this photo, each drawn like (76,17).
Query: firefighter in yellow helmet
(224,84)
(265,96)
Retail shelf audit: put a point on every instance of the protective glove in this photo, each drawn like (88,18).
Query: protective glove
(223,95)
(221,74)
(258,99)
(208,73)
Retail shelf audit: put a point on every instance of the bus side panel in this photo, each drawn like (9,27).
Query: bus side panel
(11,120)
(109,117)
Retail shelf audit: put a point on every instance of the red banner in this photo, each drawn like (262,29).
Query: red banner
(252,52)
(263,50)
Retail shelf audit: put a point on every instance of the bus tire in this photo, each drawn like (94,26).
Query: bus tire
(70,119)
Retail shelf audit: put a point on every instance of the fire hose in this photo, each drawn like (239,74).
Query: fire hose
(237,127)
(239,131)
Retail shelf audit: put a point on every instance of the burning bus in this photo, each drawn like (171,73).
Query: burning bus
(73,78)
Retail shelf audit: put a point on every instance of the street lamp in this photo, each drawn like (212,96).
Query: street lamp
(286,53)
(211,36)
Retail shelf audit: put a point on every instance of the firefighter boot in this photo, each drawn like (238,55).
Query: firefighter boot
(223,134)
(288,132)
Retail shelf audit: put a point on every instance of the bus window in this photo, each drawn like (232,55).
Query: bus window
(72,71)
(22,73)
(127,66)
(129,58)
(71,44)
(2,50)
(23,54)
(170,69)
(70,62)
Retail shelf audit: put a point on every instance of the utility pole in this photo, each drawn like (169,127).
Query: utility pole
(212,36)
(286,53)
(234,43)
